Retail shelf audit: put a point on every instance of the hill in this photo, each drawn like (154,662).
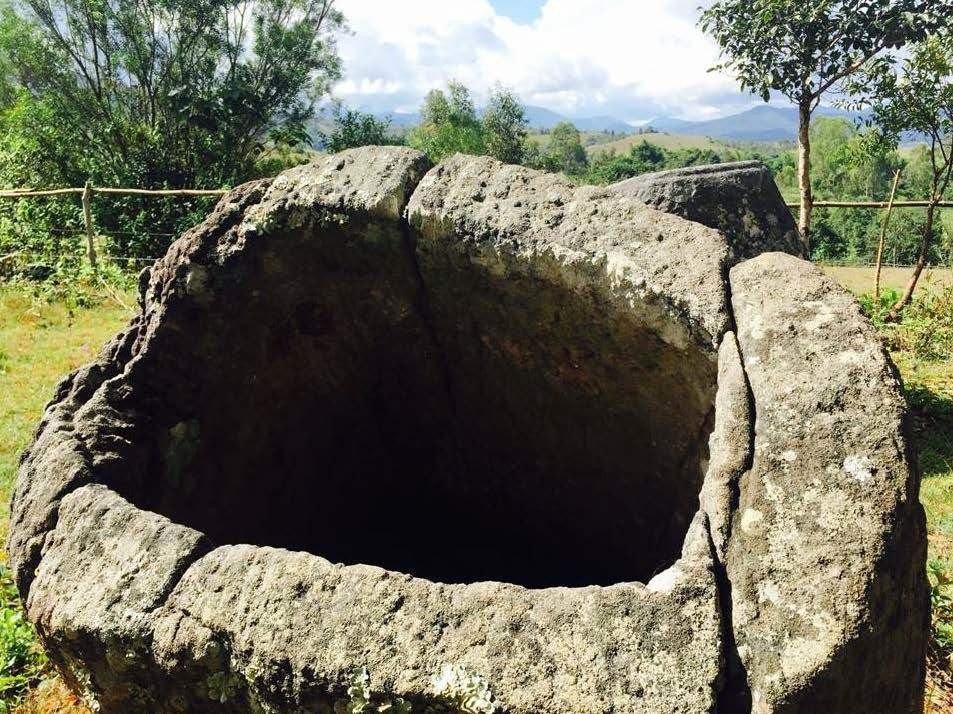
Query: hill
(542,118)
(665,140)
(538,118)
(763,123)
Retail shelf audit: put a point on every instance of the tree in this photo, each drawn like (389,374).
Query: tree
(804,48)
(565,151)
(916,99)
(504,127)
(352,128)
(448,124)
(173,93)
(609,167)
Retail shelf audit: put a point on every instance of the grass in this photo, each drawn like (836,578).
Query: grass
(929,388)
(860,280)
(42,340)
(672,142)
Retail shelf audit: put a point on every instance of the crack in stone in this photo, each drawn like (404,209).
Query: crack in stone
(735,694)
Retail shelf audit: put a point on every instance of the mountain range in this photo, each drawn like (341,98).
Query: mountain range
(760,123)
(537,118)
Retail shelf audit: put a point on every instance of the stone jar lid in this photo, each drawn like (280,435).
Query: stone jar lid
(470,438)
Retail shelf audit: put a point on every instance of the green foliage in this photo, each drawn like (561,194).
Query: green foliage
(848,162)
(564,152)
(22,661)
(926,330)
(642,158)
(802,48)
(182,93)
(918,98)
(504,127)
(609,167)
(448,124)
(941,600)
(353,128)
(177,94)
(854,164)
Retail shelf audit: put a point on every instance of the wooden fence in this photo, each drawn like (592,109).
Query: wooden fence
(873,204)
(86,197)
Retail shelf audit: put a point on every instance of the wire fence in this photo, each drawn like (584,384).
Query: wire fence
(91,233)
(873,205)
(89,230)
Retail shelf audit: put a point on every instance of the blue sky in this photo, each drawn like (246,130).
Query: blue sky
(632,59)
(522,11)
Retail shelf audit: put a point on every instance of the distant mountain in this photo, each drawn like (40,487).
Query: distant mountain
(761,123)
(537,118)
(671,125)
(542,118)
(401,119)
(603,123)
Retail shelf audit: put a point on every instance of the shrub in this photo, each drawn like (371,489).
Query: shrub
(23,663)
(926,327)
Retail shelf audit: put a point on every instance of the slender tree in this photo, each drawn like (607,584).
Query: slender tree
(917,98)
(504,126)
(448,124)
(805,48)
(565,151)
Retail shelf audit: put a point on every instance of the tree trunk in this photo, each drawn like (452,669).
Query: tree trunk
(895,311)
(883,234)
(804,173)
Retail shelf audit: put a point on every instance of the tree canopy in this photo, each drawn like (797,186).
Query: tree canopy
(804,48)
(178,92)
(504,127)
(352,128)
(448,124)
(919,99)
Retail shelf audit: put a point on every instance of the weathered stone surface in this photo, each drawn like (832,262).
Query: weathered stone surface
(740,199)
(512,394)
(827,550)
(730,444)
(80,435)
(666,267)
(106,567)
(297,627)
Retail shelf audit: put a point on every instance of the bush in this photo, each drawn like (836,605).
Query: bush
(926,327)
(23,663)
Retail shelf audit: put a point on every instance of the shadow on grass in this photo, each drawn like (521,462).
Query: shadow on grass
(932,414)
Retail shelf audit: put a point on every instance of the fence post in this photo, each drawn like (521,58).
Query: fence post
(88,220)
(883,234)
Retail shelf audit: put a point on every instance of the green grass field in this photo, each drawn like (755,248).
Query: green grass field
(860,280)
(41,341)
(672,142)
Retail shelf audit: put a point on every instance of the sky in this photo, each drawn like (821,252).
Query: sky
(631,59)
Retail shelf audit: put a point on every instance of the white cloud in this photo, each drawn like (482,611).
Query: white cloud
(631,59)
